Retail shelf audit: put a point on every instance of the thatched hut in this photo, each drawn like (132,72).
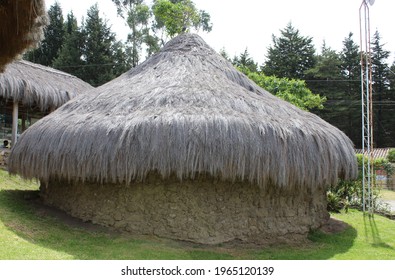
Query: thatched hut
(184,146)
(21,27)
(31,91)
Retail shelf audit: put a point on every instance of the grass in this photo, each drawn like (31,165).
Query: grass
(26,233)
(387,194)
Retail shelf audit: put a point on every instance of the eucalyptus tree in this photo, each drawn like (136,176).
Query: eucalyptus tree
(138,16)
(173,17)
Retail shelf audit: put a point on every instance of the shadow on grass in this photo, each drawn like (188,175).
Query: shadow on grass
(53,229)
(371,231)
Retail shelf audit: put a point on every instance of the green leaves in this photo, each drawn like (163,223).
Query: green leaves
(291,54)
(180,16)
(291,90)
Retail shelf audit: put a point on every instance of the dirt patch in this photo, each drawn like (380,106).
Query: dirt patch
(334,226)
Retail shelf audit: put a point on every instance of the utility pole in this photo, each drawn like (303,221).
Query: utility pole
(367,108)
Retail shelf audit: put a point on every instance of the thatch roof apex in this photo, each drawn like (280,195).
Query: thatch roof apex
(185,111)
(37,85)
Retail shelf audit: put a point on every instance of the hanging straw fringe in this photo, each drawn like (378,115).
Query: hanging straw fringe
(21,27)
(35,85)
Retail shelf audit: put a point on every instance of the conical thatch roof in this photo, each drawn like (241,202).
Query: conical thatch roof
(21,27)
(39,86)
(185,112)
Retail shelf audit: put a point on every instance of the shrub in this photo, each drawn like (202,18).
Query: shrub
(349,193)
(345,194)
(391,155)
(334,202)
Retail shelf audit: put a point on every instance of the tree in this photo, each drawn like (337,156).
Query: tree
(351,67)
(53,38)
(291,90)
(245,61)
(380,75)
(138,16)
(347,110)
(334,77)
(71,54)
(324,77)
(121,60)
(291,54)
(391,79)
(174,17)
(99,49)
(224,54)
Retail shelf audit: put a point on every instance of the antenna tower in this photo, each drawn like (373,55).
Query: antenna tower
(367,108)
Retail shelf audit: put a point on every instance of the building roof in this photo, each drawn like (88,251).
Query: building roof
(376,152)
(34,85)
(186,112)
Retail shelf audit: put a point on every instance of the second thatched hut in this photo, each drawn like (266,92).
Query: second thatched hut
(29,91)
(184,146)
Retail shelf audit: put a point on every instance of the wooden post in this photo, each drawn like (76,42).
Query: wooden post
(14,123)
(23,122)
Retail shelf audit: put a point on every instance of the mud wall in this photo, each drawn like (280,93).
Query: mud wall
(206,212)
(4,154)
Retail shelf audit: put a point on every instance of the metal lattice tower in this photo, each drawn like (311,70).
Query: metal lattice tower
(367,108)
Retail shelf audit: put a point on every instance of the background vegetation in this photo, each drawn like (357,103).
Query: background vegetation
(349,193)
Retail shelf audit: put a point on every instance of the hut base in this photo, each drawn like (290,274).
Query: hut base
(205,212)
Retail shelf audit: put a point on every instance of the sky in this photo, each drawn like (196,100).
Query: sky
(250,24)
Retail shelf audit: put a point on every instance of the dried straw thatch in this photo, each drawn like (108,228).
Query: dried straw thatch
(21,27)
(35,85)
(186,112)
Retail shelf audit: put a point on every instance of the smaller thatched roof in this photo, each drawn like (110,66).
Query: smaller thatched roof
(39,86)
(21,27)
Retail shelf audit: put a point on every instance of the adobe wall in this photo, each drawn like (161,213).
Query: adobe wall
(4,155)
(207,212)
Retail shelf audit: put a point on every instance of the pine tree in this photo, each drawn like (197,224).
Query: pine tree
(349,113)
(324,77)
(244,60)
(337,77)
(53,38)
(225,55)
(70,55)
(291,55)
(99,49)
(391,79)
(350,67)
(122,62)
(380,75)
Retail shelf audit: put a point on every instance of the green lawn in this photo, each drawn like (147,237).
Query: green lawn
(27,233)
(387,194)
